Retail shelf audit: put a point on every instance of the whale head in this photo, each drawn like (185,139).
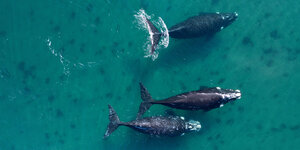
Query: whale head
(228,18)
(193,125)
(229,94)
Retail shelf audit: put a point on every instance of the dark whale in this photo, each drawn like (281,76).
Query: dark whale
(205,99)
(159,126)
(201,25)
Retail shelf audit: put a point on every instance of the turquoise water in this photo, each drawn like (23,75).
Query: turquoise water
(63,61)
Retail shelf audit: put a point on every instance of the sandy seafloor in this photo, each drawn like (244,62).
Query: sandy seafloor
(63,61)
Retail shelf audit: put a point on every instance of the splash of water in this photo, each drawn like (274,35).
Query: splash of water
(62,60)
(141,18)
(164,30)
(67,64)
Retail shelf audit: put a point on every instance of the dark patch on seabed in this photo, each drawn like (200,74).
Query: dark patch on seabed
(51,98)
(2,33)
(214,2)
(274,34)
(247,41)
(59,113)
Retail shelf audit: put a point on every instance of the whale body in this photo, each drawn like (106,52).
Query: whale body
(204,24)
(158,126)
(205,99)
(197,26)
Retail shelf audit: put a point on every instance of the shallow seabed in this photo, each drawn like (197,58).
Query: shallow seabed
(63,61)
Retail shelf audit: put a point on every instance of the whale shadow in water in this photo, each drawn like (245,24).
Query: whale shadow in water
(184,51)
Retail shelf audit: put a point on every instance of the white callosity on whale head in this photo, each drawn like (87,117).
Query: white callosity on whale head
(234,94)
(236,14)
(238,94)
(193,125)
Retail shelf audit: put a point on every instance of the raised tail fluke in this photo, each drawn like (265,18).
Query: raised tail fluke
(155,35)
(147,99)
(114,122)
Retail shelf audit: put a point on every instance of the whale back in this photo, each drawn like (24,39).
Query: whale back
(203,24)
(161,126)
(206,99)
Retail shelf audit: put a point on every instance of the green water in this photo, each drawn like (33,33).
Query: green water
(63,61)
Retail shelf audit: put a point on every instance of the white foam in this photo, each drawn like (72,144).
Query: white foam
(65,63)
(236,14)
(142,17)
(164,30)
(239,95)
(193,125)
(236,95)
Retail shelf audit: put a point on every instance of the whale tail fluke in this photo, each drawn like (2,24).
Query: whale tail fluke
(155,35)
(114,122)
(147,101)
(158,33)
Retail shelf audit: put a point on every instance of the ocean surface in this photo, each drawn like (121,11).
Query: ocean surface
(63,61)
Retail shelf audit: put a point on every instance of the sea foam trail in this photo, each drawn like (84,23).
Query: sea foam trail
(141,18)
(67,64)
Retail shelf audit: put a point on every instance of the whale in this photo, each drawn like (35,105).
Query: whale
(154,125)
(203,99)
(202,25)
